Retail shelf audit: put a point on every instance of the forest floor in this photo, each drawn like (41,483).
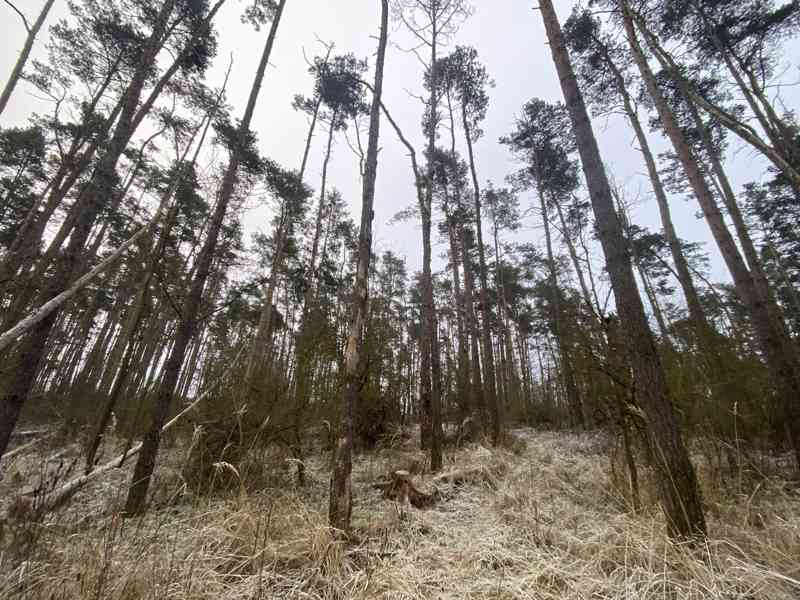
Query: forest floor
(541,520)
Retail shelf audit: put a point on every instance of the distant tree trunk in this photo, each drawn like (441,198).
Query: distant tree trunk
(340,506)
(477,399)
(303,353)
(261,345)
(509,369)
(576,263)
(661,321)
(495,408)
(462,364)
(145,464)
(23,56)
(678,488)
(780,353)
(261,349)
(568,374)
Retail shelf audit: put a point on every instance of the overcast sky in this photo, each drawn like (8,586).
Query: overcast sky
(510,39)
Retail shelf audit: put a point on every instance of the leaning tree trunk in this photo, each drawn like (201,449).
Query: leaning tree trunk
(145,465)
(23,56)
(684,276)
(340,506)
(780,353)
(134,319)
(91,201)
(680,496)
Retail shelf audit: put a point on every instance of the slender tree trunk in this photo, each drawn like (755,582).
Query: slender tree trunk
(681,265)
(495,408)
(576,263)
(262,343)
(568,373)
(23,56)
(145,464)
(462,365)
(509,368)
(340,506)
(303,352)
(680,496)
(430,391)
(476,388)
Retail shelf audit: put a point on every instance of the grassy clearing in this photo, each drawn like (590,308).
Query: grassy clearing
(542,522)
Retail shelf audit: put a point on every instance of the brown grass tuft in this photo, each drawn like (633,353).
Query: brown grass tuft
(541,522)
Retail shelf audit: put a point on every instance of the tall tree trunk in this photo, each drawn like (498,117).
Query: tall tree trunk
(680,496)
(340,505)
(145,464)
(509,369)
(495,408)
(134,318)
(430,370)
(477,400)
(780,353)
(303,350)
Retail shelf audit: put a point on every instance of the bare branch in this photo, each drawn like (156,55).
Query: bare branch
(21,16)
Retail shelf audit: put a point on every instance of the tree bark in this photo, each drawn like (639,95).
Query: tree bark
(680,496)
(340,505)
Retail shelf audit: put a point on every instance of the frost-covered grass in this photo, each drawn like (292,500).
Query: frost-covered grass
(545,521)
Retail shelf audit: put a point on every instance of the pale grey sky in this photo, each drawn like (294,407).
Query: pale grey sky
(510,39)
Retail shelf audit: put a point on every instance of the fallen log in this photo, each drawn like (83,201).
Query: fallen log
(28,433)
(23,448)
(402,489)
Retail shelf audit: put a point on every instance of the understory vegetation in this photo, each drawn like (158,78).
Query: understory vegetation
(215,384)
(547,517)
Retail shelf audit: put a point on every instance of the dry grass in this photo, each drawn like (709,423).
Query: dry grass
(542,522)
